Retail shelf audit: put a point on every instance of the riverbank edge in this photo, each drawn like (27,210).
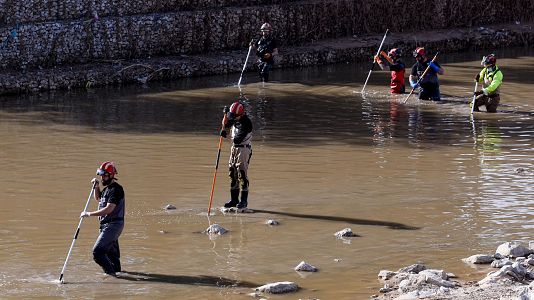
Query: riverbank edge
(344,50)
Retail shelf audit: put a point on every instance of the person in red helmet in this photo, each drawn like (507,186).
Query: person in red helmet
(266,50)
(240,154)
(491,78)
(111,207)
(429,85)
(394,64)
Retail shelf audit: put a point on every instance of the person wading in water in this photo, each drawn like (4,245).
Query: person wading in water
(491,78)
(429,84)
(266,50)
(394,64)
(240,154)
(111,207)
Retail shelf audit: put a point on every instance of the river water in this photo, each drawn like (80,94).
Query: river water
(420,182)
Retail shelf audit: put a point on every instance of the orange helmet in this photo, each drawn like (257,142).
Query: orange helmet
(266,27)
(107,167)
(419,52)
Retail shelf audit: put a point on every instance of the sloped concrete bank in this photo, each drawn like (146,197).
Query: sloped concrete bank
(119,71)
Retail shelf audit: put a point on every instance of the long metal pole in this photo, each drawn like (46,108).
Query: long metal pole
(245,65)
(374,61)
(474,98)
(216,166)
(420,78)
(76,233)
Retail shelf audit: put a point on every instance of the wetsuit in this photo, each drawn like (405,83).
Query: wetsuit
(429,84)
(106,250)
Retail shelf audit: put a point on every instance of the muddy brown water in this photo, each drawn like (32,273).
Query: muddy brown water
(420,182)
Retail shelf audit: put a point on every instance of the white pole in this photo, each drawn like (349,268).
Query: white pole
(244,66)
(474,98)
(374,62)
(76,233)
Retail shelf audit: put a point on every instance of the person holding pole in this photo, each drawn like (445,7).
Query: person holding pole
(491,79)
(111,207)
(266,50)
(240,154)
(428,84)
(394,64)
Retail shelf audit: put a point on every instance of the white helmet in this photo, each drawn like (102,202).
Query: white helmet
(266,27)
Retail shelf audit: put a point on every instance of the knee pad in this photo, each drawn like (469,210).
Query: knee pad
(234,177)
(243,180)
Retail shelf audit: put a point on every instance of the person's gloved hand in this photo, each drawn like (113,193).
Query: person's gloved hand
(414,85)
(479,94)
(95,182)
(477,78)
(84,214)
(226,110)
(223,133)
(377,59)
(433,66)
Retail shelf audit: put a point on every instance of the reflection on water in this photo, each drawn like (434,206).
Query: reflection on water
(325,158)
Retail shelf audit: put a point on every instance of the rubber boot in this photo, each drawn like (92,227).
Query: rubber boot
(244,197)
(235,199)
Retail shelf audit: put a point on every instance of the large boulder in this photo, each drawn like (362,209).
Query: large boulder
(513,249)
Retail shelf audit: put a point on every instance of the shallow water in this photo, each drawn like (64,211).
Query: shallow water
(421,182)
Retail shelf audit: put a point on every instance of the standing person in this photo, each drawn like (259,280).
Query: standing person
(491,78)
(266,49)
(394,64)
(111,207)
(429,84)
(240,154)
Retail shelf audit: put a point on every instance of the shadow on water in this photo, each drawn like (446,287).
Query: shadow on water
(203,280)
(391,225)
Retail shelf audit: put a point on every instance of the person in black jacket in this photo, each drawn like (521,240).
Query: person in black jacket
(266,49)
(240,154)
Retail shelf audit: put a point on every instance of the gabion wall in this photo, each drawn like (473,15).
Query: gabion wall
(67,32)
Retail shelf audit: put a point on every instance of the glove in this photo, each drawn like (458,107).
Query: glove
(267,55)
(378,60)
(226,110)
(477,78)
(434,66)
(414,85)
(95,182)
(223,133)
(84,214)
(478,93)
(251,44)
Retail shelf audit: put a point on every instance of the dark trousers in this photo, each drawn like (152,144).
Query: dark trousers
(106,250)
(264,68)
(491,102)
(430,93)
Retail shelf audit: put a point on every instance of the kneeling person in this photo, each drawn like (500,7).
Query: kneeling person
(491,78)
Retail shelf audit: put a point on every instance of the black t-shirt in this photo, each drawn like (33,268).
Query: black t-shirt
(266,45)
(431,77)
(113,193)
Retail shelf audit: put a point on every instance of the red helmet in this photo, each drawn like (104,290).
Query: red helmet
(395,53)
(266,27)
(489,60)
(419,52)
(107,167)
(237,109)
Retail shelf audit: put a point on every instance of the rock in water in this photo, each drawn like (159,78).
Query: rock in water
(347,232)
(278,287)
(216,229)
(170,206)
(305,267)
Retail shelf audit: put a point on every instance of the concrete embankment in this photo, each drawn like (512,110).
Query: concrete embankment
(50,44)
